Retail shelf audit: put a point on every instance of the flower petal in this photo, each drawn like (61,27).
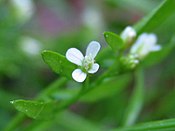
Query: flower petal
(139,43)
(92,49)
(94,68)
(74,56)
(151,39)
(78,75)
(156,48)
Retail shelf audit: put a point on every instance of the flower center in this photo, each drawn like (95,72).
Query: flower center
(87,63)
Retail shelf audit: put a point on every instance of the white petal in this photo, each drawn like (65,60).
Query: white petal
(78,75)
(74,56)
(139,43)
(156,48)
(149,44)
(93,49)
(94,68)
(152,39)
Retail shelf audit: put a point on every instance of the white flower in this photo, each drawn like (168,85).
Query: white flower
(128,34)
(93,19)
(23,9)
(87,64)
(30,45)
(145,44)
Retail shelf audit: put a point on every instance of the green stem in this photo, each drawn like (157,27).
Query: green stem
(69,102)
(86,88)
(21,117)
(85,85)
(52,88)
(161,125)
(136,101)
(14,123)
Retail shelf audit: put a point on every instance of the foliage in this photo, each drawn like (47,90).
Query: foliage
(125,94)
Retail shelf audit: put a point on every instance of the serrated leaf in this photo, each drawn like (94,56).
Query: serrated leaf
(114,41)
(35,109)
(58,63)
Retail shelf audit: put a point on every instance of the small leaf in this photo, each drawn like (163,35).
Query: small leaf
(58,63)
(114,41)
(35,109)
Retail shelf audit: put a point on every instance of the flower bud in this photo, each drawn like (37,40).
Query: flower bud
(30,46)
(130,61)
(128,35)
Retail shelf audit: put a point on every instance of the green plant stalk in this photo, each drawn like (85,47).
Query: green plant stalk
(20,117)
(52,88)
(86,87)
(71,101)
(163,125)
(136,102)
(15,122)
(156,17)
(75,121)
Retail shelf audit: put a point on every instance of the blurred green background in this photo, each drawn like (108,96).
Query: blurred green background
(60,24)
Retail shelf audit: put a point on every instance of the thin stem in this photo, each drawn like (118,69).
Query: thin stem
(66,104)
(19,118)
(52,88)
(136,101)
(85,85)
(161,125)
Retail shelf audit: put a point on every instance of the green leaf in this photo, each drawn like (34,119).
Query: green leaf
(156,17)
(168,125)
(114,41)
(35,109)
(58,63)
